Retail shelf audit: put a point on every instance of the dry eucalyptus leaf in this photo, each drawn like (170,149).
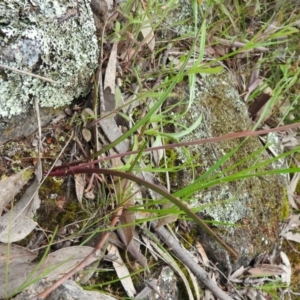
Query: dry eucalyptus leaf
(12,185)
(239,272)
(202,253)
(127,218)
(17,260)
(17,230)
(89,195)
(16,276)
(55,264)
(112,132)
(86,134)
(292,236)
(109,103)
(128,54)
(87,115)
(17,223)
(126,233)
(266,270)
(122,271)
(110,72)
(79,186)
(12,254)
(157,154)
(291,190)
(286,265)
(292,224)
(63,260)
(148,34)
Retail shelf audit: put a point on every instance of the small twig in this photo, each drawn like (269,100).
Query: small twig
(27,73)
(230,136)
(37,111)
(187,259)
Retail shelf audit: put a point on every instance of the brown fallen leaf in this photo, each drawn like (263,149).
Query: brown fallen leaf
(266,270)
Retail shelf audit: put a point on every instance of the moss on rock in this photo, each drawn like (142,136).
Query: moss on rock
(254,204)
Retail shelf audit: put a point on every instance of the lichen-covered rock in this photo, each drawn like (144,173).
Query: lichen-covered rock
(250,207)
(54,39)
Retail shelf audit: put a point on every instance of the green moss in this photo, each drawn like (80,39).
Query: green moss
(285,211)
(52,212)
(27,174)
(254,204)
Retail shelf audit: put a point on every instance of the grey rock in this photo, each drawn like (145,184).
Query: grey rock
(54,39)
(25,124)
(250,207)
(69,290)
(165,287)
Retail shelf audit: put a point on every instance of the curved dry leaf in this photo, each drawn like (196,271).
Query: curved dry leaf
(65,259)
(17,260)
(266,270)
(291,190)
(239,272)
(286,277)
(86,134)
(17,230)
(79,186)
(12,254)
(55,264)
(87,115)
(202,253)
(110,72)
(109,103)
(132,194)
(12,185)
(112,132)
(157,154)
(12,280)
(126,233)
(122,271)
(148,34)
(16,224)
(292,236)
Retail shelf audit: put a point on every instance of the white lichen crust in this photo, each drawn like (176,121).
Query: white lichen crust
(54,39)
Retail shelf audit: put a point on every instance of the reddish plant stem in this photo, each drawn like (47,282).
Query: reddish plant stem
(230,136)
